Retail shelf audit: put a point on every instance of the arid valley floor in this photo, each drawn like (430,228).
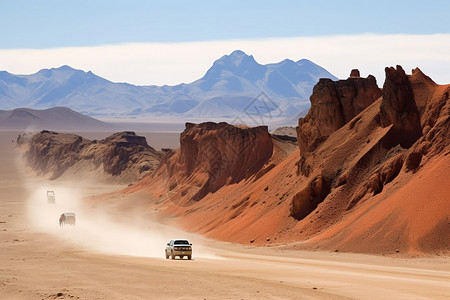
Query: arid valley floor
(118,255)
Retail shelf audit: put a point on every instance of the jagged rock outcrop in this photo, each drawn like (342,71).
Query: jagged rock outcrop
(355,73)
(398,106)
(212,155)
(123,156)
(333,104)
(408,127)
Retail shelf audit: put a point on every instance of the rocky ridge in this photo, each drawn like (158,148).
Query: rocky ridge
(123,157)
(391,139)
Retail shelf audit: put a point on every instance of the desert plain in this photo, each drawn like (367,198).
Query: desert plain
(118,253)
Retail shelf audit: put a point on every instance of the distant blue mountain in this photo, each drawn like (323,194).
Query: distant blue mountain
(227,89)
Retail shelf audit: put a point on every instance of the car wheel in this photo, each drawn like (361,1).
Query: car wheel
(189,257)
(173,256)
(167,256)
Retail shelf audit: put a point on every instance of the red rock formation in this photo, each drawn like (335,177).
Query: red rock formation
(355,73)
(306,201)
(398,106)
(397,135)
(333,104)
(51,152)
(354,175)
(366,189)
(123,155)
(212,155)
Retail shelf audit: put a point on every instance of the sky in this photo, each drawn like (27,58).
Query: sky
(169,42)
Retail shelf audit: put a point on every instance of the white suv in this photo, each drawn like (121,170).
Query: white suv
(180,248)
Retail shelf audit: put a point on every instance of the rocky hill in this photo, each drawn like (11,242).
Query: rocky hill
(122,157)
(370,173)
(375,182)
(213,155)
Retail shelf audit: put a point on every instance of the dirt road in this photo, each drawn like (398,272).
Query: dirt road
(102,258)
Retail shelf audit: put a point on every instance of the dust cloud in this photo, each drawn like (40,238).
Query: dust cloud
(99,231)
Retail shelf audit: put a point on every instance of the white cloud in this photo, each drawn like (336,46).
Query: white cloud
(173,63)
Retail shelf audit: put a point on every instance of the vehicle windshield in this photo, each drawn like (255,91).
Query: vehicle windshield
(181,242)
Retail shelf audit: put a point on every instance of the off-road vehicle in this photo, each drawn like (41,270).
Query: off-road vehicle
(180,248)
(67,218)
(51,197)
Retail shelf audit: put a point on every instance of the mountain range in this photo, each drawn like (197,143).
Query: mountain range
(236,85)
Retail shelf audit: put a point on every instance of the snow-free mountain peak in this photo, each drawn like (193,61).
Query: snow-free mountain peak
(237,63)
(63,74)
(236,59)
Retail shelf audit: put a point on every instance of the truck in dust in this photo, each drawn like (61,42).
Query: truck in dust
(51,197)
(67,218)
(180,248)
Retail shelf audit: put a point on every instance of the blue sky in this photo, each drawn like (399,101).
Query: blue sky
(56,23)
(169,42)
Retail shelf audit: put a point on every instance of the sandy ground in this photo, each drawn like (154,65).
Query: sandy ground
(105,257)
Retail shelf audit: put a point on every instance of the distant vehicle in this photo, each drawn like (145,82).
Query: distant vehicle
(51,197)
(180,248)
(67,218)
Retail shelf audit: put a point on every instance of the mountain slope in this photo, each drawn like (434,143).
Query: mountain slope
(230,86)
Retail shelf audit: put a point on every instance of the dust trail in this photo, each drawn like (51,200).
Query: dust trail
(101,232)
